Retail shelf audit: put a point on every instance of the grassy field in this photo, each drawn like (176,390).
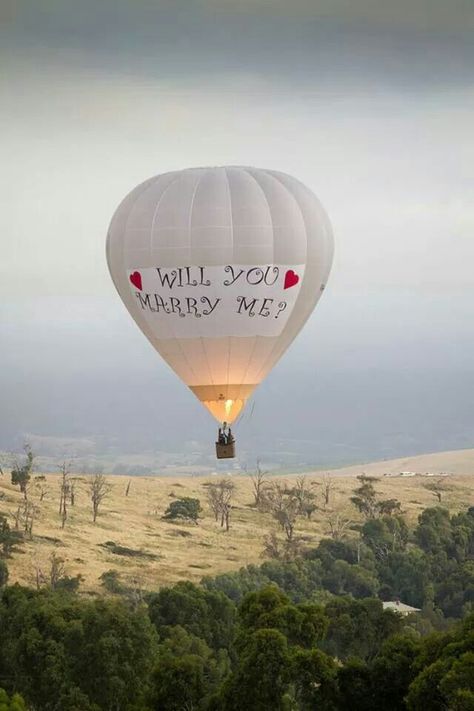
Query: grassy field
(168,552)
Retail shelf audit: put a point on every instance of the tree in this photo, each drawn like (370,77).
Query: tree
(99,490)
(185,508)
(3,573)
(328,485)
(438,487)
(41,486)
(57,570)
(262,675)
(393,671)
(388,507)
(207,614)
(385,535)
(188,673)
(367,502)
(314,676)
(22,470)
(64,652)
(8,538)
(305,497)
(259,479)
(219,496)
(338,526)
(365,499)
(214,499)
(15,703)
(284,504)
(277,549)
(64,487)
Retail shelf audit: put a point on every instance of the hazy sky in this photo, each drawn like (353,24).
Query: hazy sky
(370,103)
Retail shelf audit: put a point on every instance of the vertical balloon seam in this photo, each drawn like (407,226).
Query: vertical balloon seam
(144,187)
(152,226)
(191,206)
(257,339)
(177,340)
(327,227)
(254,338)
(229,198)
(264,368)
(278,350)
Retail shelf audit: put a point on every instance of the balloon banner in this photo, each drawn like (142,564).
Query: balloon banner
(230,300)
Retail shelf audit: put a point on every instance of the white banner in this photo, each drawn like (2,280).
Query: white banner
(230,300)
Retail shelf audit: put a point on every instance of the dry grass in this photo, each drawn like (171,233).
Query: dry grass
(179,550)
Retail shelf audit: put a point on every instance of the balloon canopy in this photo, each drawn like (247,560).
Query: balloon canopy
(220,268)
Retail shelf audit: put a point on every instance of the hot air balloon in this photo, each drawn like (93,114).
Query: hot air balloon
(220,268)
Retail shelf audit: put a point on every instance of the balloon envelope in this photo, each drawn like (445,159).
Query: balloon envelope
(220,268)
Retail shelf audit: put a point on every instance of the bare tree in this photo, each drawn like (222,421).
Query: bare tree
(284,505)
(277,549)
(30,513)
(219,497)
(99,489)
(259,479)
(73,482)
(227,491)
(214,499)
(338,526)
(328,485)
(64,492)
(305,496)
(41,486)
(17,516)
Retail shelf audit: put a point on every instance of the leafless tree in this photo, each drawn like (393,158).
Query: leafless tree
(214,499)
(41,486)
(30,512)
(305,496)
(328,485)
(64,492)
(219,496)
(227,491)
(259,479)
(17,516)
(99,489)
(338,526)
(277,549)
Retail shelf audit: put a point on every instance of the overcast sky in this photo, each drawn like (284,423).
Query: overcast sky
(370,103)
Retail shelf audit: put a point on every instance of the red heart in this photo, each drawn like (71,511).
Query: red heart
(136,279)
(290,279)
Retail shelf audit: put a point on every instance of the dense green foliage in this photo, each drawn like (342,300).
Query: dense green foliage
(185,508)
(15,703)
(290,636)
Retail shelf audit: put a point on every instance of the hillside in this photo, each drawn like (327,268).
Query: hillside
(162,552)
(459,462)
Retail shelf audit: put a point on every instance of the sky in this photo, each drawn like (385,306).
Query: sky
(371,104)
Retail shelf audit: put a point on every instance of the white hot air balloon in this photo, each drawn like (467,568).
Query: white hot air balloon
(220,268)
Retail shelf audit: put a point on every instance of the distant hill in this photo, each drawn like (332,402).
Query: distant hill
(459,462)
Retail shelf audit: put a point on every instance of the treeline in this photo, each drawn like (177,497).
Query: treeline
(309,633)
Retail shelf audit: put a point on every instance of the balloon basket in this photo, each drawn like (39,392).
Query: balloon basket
(225,451)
